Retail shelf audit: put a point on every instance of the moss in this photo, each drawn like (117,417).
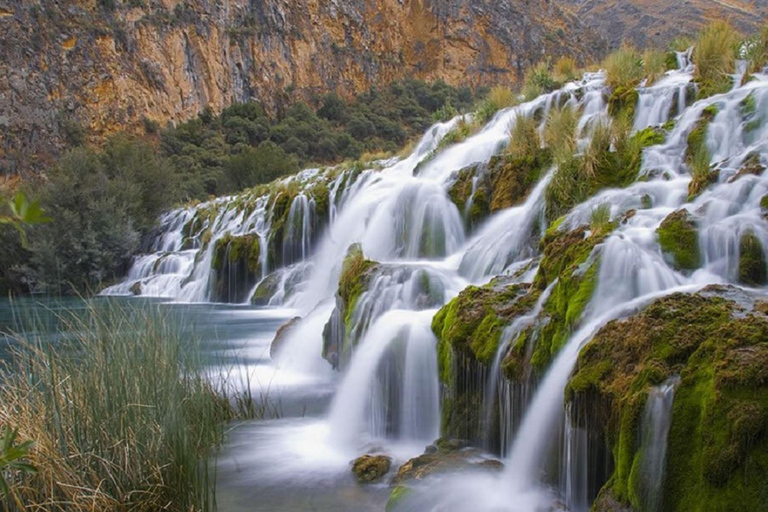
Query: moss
(399,493)
(752,166)
(764,205)
(679,239)
(321,195)
(752,267)
(513,177)
(717,455)
(623,102)
(472,323)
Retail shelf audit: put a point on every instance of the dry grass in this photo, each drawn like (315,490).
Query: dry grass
(714,55)
(566,69)
(623,68)
(560,132)
(757,51)
(119,411)
(498,97)
(538,81)
(524,141)
(654,65)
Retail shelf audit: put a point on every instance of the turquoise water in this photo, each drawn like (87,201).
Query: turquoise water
(267,464)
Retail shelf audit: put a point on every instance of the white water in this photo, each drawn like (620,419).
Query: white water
(402,217)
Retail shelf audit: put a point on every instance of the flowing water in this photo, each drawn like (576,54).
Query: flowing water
(385,396)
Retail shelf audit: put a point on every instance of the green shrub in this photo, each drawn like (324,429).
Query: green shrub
(715,58)
(757,51)
(538,80)
(254,166)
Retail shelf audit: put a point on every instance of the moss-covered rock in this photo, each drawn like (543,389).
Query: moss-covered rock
(752,166)
(338,335)
(282,335)
(446,456)
(236,267)
(679,240)
(623,101)
(697,154)
(472,323)
(369,469)
(752,267)
(716,341)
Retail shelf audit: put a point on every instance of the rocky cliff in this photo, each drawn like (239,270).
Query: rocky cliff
(656,22)
(107,65)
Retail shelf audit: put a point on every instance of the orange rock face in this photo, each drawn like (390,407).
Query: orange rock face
(107,64)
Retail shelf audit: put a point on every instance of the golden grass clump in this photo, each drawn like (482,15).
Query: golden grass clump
(560,132)
(654,65)
(498,97)
(566,69)
(119,412)
(714,56)
(757,51)
(524,141)
(538,81)
(623,68)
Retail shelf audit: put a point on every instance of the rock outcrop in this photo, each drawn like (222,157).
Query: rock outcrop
(108,65)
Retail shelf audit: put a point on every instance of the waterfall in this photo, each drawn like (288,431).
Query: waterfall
(655,427)
(360,410)
(401,215)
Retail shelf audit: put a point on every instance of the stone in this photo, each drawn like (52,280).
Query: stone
(371,468)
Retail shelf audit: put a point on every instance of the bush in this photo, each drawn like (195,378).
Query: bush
(254,166)
(623,68)
(715,58)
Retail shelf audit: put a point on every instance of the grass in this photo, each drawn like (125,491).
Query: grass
(565,69)
(538,81)
(714,55)
(560,132)
(623,68)
(654,65)
(524,141)
(120,412)
(600,220)
(756,51)
(498,97)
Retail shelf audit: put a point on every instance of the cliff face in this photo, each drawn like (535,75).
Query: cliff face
(656,22)
(108,64)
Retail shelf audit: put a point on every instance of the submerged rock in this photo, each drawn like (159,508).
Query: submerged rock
(371,468)
(446,456)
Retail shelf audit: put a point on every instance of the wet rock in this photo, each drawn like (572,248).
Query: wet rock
(135,288)
(281,335)
(371,468)
(446,456)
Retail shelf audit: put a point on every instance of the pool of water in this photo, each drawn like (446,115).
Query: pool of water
(285,461)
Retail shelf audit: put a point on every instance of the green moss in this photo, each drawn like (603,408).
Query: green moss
(396,496)
(716,457)
(679,239)
(623,102)
(513,177)
(752,267)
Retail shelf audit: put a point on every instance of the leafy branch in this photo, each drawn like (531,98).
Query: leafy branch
(23,212)
(12,458)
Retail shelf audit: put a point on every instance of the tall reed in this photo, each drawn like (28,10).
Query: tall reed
(119,410)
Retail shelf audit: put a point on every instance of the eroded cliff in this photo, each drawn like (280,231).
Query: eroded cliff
(107,65)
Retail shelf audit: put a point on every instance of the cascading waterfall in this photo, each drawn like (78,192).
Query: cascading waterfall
(656,422)
(404,220)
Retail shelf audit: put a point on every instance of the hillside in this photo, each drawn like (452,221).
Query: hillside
(656,22)
(105,65)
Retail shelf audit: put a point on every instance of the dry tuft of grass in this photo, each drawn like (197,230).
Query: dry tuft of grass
(654,65)
(560,132)
(714,55)
(566,69)
(623,68)
(499,97)
(120,412)
(757,51)
(524,141)
(538,81)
